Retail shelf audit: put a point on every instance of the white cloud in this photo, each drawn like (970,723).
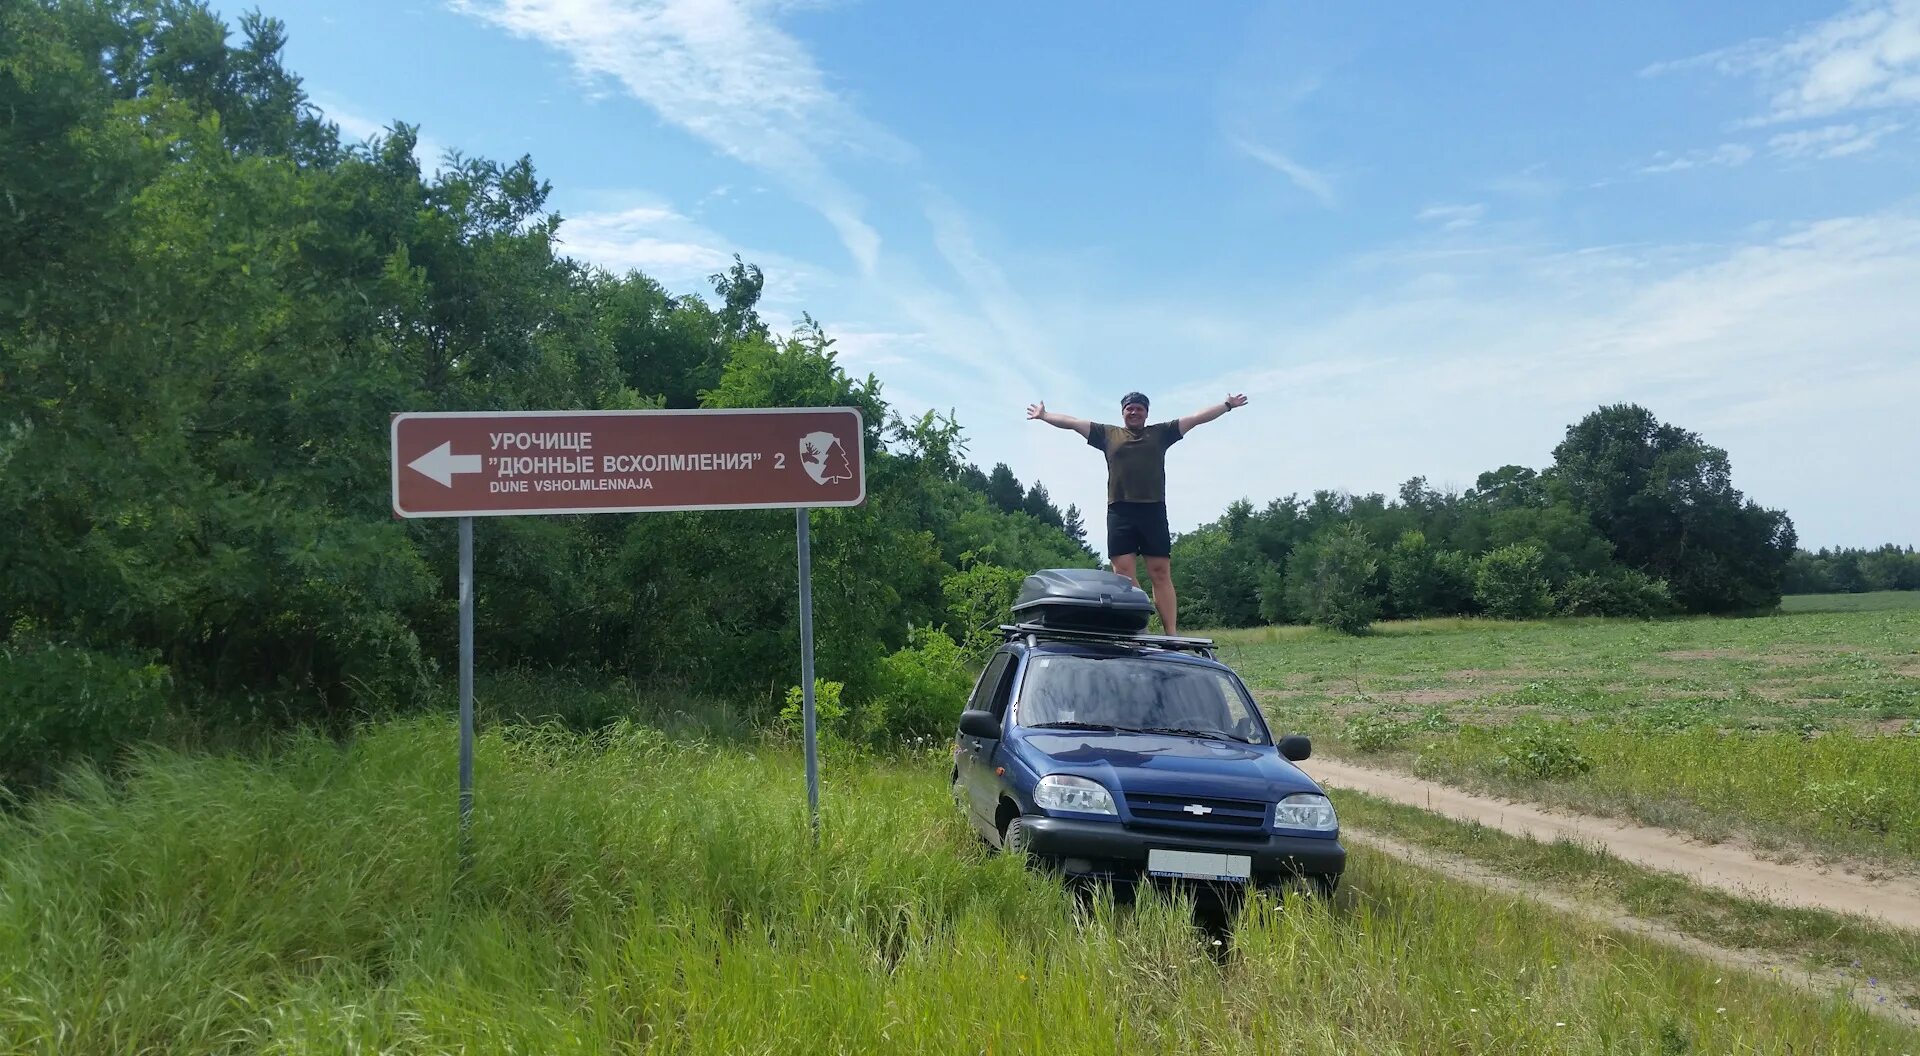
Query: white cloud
(724,73)
(1830,141)
(1798,354)
(1727,154)
(1866,58)
(1304,178)
(354,125)
(1453,217)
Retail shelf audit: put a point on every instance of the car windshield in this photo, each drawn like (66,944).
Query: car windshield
(1130,693)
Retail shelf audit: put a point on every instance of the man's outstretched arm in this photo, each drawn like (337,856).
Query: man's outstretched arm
(1202,417)
(1058,421)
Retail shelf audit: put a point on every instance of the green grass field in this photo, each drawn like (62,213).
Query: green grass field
(1870,602)
(1801,728)
(628,893)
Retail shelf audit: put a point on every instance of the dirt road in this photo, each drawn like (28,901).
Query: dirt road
(1724,866)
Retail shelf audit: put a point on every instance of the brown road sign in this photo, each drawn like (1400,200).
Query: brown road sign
(507,463)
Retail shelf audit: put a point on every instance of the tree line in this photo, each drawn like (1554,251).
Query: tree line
(1635,517)
(210,305)
(1847,570)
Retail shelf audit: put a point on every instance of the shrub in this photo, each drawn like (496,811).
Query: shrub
(829,714)
(1511,584)
(62,702)
(978,600)
(1375,732)
(920,689)
(1541,751)
(1616,592)
(1328,581)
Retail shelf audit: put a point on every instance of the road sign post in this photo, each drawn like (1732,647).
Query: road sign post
(469,464)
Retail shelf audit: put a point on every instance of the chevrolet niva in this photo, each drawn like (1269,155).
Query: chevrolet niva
(1107,754)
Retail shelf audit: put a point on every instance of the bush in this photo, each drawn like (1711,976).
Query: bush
(1511,584)
(1541,751)
(920,689)
(829,714)
(1375,732)
(1616,592)
(978,600)
(1328,580)
(60,703)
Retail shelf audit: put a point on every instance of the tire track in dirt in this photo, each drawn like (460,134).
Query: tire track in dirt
(1721,866)
(1471,872)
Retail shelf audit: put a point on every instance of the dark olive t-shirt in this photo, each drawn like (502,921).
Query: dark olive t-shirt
(1136,459)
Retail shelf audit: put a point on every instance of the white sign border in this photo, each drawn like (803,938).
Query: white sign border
(394,466)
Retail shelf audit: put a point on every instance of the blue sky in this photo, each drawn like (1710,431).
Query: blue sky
(1423,239)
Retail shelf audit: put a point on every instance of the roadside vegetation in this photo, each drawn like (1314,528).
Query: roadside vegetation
(1798,730)
(1841,951)
(628,892)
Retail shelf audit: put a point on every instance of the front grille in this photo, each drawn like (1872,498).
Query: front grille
(1170,811)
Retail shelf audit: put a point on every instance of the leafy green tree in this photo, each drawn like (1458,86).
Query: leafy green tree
(1038,506)
(1330,583)
(1075,525)
(1665,500)
(1512,583)
(1413,582)
(1003,489)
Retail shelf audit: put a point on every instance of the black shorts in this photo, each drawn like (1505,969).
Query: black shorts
(1138,528)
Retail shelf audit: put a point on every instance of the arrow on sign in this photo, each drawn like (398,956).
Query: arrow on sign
(440,464)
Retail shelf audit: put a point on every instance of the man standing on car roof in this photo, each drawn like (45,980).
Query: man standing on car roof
(1137,487)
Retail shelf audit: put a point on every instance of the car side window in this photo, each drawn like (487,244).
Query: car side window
(1003,691)
(985,690)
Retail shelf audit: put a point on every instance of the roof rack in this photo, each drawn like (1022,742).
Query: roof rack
(1034,633)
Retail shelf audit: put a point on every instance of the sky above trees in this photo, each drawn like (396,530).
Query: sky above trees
(1422,239)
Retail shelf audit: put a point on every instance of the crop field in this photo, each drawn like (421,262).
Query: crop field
(628,892)
(1799,730)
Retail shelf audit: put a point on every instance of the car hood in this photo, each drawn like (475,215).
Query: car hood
(1169,763)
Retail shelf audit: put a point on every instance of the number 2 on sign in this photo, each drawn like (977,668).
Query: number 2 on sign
(779,460)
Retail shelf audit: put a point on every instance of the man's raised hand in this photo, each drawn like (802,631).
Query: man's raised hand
(1037,410)
(1236,400)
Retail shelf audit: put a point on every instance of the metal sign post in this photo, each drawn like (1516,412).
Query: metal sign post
(805,546)
(469,464)
(466,681)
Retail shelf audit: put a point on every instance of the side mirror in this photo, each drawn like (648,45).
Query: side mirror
(980,724)
(1294,746)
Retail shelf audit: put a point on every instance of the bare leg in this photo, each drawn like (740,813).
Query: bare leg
(1160,571)
(1123,564)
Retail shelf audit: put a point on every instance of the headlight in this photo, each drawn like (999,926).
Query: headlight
(1304,810)
(1064,792)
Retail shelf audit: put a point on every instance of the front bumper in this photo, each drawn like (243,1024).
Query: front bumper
(1107,848)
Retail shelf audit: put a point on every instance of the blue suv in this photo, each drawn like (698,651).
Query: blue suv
(1122,757)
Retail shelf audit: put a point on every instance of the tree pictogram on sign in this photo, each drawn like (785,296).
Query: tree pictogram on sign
(823,458)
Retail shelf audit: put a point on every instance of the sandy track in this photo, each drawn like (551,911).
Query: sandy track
(1723,866)
(1820,984)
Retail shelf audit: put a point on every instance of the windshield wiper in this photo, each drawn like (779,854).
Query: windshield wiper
(1081,726)
(1216,734)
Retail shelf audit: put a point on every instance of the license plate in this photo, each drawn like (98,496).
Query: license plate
(1199,865)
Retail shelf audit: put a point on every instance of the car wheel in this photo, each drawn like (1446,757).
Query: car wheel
(958,791)
(1013,839)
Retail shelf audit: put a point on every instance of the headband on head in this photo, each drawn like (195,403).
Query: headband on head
(1133,398)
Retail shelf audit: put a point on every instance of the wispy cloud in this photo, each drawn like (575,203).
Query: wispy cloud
(1755,345)
(1304,178)
(1831,141)
(1726,154)
(1866,58)
(356,125)
(722,71)
(1453,217)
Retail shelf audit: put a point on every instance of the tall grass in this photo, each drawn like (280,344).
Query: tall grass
(626,893)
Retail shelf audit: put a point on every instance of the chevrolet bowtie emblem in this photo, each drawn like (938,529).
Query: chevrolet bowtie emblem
(1197,809)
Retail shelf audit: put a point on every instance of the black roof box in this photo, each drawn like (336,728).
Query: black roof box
(1083,599)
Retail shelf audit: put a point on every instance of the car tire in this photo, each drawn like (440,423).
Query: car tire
(1013,839)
